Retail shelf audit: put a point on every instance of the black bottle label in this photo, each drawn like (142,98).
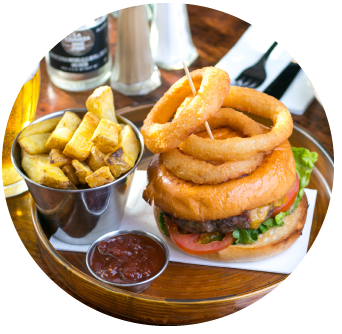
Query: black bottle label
(82,51)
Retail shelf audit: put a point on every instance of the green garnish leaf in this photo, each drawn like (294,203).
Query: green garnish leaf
(305,161)
(162,224)
(279,218)
(245,236)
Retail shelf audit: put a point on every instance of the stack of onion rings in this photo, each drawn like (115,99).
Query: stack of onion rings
(190,156)
(254,102)
(212,85)
(188,168)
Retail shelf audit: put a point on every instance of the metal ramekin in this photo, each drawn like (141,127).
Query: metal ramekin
(133,287)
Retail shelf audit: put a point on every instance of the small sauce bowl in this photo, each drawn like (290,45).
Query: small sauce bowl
(112,259)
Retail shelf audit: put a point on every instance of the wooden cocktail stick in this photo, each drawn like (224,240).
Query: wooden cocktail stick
(194,92)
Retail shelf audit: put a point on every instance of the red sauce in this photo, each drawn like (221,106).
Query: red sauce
(127,258)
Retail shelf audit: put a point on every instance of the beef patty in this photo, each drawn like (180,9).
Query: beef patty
(225,225)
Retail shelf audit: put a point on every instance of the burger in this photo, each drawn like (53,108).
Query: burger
(238,216)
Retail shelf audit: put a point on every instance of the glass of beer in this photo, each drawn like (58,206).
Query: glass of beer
(22,114)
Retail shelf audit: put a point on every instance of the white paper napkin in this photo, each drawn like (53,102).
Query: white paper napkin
(139,216)
(248,50)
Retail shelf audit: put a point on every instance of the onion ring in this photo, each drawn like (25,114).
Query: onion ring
(212,85)
(205,172)
(201,172)
(254,102)
(237,121)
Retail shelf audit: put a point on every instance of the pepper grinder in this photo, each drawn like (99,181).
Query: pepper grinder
(134,71)
(171,40)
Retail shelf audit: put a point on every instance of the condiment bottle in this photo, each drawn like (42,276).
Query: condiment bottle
(134,71)
(82,60)
(171,40)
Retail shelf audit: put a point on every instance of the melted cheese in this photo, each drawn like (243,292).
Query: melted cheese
(258,215)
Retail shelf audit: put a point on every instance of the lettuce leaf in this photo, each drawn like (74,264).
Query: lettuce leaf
(305,161)
(245,236)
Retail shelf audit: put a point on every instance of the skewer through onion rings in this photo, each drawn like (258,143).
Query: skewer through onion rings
(212,85)
(237,121)
(206,172)
(254,102)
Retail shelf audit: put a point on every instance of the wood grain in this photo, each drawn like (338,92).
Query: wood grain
(214,33)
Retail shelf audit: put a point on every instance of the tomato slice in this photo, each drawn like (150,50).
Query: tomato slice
(187,242)
(290,196)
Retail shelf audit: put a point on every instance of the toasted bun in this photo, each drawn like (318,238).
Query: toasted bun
(272,242)
(187,200)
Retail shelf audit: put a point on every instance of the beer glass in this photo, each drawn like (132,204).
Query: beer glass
(22,114)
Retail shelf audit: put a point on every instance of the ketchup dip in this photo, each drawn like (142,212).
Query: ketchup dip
(127,258)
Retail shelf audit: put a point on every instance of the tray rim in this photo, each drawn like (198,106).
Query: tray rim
(209,301)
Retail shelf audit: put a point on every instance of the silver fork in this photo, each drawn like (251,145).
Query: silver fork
(255,75)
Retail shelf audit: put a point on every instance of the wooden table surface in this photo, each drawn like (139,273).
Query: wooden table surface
(214,34)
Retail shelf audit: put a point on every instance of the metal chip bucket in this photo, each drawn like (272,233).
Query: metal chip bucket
(80,216)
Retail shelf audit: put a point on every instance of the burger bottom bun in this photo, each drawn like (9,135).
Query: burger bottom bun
(272,242)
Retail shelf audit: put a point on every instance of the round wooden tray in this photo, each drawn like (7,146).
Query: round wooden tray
(184,293)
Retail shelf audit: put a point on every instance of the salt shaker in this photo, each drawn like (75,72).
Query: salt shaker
(171,40)
(134,71)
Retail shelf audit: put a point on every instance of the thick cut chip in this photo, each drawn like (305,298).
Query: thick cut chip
(82,170)
(80,144)
(41,127)
(58,159)
(70,173)
(53,177)
(100,177)
(71,186)
(106,136)
(32,164)
(35,144)
(95,159)
(101,103)
(38,169)
(63,131)
(119,162)
(125,154)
